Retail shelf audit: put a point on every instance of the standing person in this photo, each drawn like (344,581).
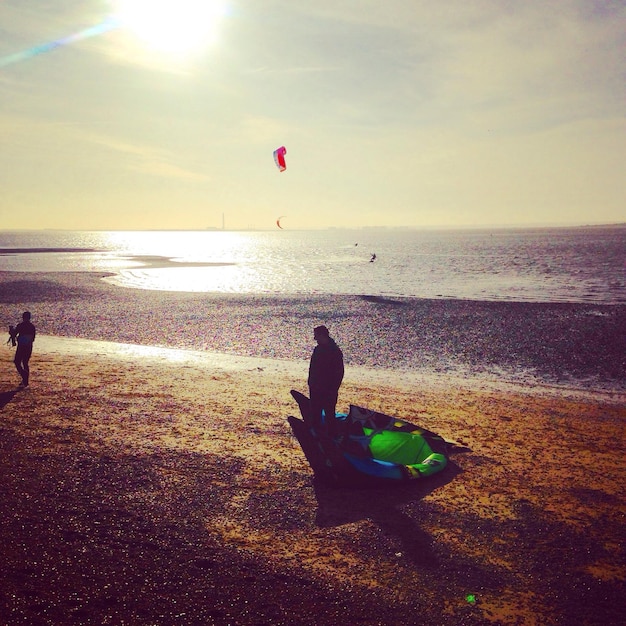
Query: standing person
(325,377)
(25,334)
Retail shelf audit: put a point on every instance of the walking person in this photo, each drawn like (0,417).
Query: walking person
(24,333)
(325,376)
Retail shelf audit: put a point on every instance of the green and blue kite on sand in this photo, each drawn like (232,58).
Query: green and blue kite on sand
(373,448)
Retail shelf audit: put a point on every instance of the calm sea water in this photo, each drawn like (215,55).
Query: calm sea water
(542,265)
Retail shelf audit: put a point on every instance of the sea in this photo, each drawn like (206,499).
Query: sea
(575,264)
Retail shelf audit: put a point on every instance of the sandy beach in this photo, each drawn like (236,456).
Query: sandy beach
(148,484)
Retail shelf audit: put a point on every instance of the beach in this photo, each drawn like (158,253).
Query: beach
(149,474)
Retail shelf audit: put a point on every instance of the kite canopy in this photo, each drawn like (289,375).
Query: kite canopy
(279,158)
(373,449)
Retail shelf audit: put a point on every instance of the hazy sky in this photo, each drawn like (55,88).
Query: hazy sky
(397,113)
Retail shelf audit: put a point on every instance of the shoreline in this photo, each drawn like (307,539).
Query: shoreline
(405,380)
(564,345)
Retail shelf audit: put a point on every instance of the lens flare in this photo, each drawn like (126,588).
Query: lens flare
(176,27)
(92,31)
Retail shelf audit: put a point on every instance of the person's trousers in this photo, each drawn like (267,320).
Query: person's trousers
(323,407)
(22,356)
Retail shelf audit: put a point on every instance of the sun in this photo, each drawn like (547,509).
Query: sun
(177,27)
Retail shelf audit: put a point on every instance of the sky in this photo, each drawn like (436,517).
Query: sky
(145,114)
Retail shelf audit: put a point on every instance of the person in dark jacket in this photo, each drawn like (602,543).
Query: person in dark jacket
(24,333)
(325,377)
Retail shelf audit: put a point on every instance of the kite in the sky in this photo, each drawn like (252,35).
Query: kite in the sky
(278,222)
(279,157)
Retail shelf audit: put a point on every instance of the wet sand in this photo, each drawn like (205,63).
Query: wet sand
(156,486)
(581,345)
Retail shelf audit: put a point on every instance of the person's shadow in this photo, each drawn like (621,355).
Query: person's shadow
(337,506)
(6,397)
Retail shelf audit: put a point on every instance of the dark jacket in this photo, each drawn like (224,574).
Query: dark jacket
(25,333)
(326,367)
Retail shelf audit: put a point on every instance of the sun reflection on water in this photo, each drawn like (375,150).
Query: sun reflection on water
(574,265)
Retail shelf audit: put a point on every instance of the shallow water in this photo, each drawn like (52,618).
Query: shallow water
(532,265)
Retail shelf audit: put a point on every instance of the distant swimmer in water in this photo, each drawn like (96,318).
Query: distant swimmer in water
(373,258)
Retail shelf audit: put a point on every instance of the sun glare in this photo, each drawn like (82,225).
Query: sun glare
(178,27)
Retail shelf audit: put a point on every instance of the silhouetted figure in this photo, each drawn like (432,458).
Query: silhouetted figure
(373,258)
(24,334)
(325,377)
